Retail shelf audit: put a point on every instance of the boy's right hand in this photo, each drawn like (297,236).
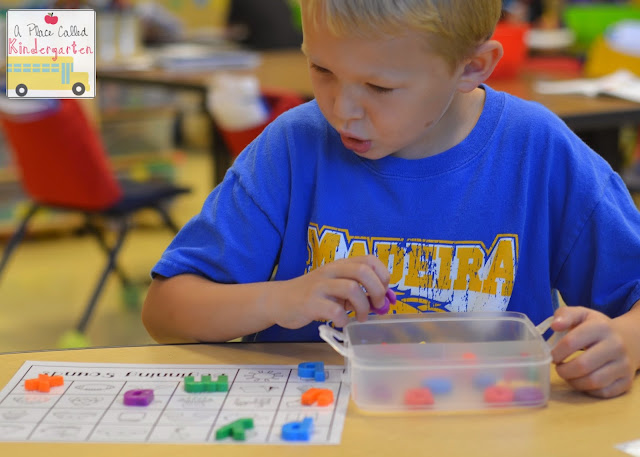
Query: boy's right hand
(328,292)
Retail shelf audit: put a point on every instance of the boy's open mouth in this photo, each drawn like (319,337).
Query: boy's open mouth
(356,145)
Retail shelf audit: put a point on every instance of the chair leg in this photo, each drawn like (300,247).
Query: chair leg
(167,218)
(111,262)
(17,236)
(97,233)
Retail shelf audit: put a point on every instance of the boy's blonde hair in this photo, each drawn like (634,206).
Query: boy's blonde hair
(454,27)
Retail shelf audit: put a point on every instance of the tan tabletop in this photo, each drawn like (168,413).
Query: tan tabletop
(572,424)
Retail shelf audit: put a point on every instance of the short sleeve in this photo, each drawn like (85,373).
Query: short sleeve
(605,255)
(237,236)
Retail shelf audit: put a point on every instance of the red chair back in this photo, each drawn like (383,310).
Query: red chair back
(61,159)
(279,101)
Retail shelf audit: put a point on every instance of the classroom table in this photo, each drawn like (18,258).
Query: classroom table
(278,69)
(596,119)
(572,424)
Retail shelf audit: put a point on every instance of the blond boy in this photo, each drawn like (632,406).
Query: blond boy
(406,172)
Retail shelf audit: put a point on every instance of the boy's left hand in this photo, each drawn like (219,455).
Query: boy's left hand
(611,347)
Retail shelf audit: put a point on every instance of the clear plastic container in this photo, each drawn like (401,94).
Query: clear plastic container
(445,361)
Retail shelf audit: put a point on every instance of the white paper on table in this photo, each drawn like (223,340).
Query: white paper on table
(630,447)
(89,407)
(621,84)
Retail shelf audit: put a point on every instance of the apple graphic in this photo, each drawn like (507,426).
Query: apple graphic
(51,19)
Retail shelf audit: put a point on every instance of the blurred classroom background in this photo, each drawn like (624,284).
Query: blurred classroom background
(183,85)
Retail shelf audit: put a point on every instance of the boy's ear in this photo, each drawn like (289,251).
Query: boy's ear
(480,65)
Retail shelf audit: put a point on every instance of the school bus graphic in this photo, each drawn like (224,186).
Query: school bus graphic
(43,73)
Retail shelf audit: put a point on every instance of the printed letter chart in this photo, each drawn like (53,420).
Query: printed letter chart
(89,406)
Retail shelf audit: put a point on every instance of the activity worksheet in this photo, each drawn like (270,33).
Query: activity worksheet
(90,406)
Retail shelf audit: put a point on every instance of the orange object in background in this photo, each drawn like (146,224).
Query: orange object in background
(511,36)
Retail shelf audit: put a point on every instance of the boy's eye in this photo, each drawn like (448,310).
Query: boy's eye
(373,87)
(320,69)
(379,89)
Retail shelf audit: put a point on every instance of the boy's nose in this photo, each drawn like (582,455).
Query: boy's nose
(346,105)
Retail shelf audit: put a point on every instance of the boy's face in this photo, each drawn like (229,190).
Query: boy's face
(384,95)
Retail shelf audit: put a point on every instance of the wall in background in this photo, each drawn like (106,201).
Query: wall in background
(196,13)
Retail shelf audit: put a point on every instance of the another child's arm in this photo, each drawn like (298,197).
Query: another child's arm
(192,308)
(611,347)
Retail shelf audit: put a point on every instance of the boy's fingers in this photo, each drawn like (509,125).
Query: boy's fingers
(381,270)
(618,387)
(586,363)
(600,379)
(368,262)
(374,290)
(363,274)
(351,292)
(578,336)
(330,310)
(576,339)
(568,317)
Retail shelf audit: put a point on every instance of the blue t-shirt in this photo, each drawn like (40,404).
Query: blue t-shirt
(519,207)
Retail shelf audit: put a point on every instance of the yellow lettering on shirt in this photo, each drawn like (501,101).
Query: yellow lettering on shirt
(428,275)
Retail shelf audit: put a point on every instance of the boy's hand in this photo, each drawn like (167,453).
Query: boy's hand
(608,364)
(331,290)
